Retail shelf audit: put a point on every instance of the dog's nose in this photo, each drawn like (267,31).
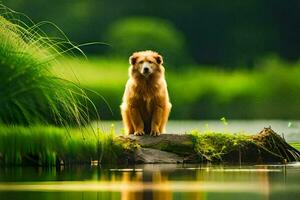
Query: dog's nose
(146,70)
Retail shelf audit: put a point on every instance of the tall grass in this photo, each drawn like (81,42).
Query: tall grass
(296,145)
(50,146)
(29,92)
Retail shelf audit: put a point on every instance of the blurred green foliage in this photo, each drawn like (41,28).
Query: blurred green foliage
(218,32)
(271,90)
(136,34)
(235,33)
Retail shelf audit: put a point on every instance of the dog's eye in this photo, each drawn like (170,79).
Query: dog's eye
(141,62)
(150,62)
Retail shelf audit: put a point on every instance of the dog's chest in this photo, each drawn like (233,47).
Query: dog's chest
(147,92)
(148,102)
(147,96)
(148,105)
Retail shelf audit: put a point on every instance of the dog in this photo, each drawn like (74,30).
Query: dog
(146,106)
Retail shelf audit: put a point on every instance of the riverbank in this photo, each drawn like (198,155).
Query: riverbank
(54,146)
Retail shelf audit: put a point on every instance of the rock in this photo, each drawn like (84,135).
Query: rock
(264,147)
(178,144)
(148,155)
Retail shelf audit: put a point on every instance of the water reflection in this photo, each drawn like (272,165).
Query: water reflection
(157,182)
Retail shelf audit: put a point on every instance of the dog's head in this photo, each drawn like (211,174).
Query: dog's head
(146,63)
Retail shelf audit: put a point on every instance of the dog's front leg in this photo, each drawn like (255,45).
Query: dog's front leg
(155,122)
(137,121)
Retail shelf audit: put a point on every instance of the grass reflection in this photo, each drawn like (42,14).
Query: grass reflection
(170,182)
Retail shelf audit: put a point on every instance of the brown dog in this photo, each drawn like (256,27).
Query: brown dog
(145,107)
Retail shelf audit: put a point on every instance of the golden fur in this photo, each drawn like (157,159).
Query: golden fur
(145,107)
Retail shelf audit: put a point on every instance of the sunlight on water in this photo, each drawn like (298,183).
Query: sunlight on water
(131,186)
(157,182)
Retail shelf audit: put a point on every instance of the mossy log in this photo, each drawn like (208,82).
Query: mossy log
(264,147)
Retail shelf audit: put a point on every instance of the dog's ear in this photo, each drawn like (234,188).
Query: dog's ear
(159,59)
(132,59)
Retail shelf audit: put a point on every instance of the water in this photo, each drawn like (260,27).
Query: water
(157,182)
(163,182)
(290,129)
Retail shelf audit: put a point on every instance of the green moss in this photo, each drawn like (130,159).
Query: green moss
(213,146)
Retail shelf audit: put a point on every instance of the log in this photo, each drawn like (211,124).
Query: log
(264,147)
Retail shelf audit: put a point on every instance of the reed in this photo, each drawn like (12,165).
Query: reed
(29,92)
(50,145)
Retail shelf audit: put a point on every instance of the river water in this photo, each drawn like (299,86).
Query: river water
(153,182)
(163,182)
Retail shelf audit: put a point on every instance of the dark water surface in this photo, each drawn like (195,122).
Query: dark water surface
(157,182)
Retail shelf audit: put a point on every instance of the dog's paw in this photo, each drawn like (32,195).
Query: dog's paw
(139,133)
(155,132)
